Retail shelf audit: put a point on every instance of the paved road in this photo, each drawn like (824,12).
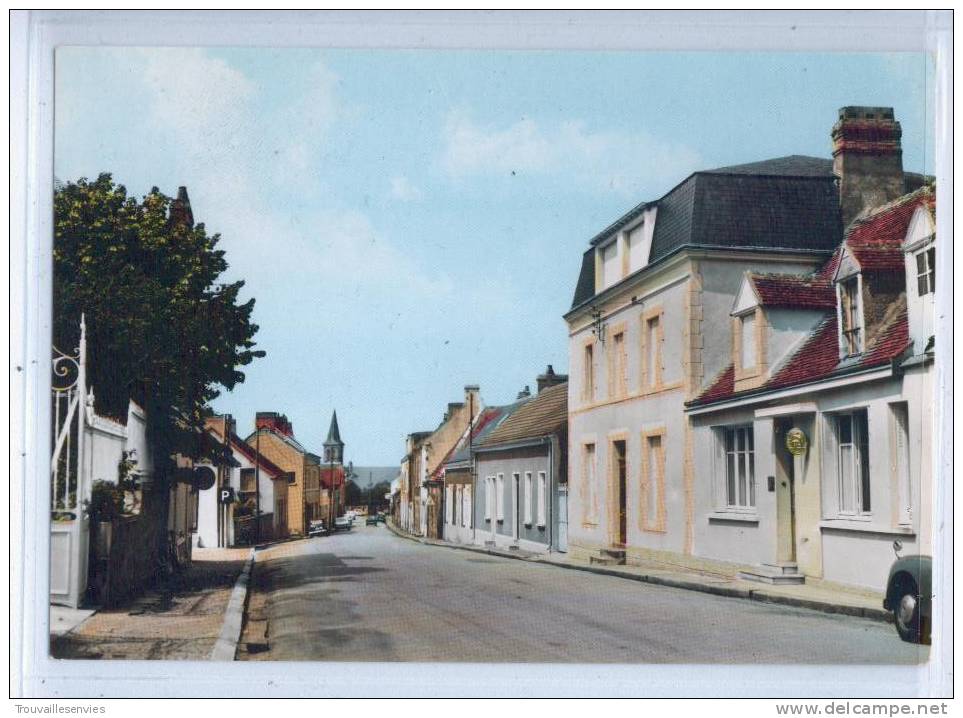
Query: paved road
(371,595)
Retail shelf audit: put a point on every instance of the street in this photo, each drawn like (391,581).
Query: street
(369,595)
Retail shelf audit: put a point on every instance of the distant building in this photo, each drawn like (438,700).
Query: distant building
(521,473)
(421,494)
(273,438)
(243,479)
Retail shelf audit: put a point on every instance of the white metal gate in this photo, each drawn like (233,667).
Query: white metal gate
(69,480)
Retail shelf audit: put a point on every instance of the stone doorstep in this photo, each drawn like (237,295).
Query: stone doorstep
(814,598)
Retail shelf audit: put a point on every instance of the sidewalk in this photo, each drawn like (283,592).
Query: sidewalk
(181,621)
(721,581)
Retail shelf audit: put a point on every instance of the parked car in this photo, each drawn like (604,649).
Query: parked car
(343,523)
(908,594)
(371,521)
(317,527)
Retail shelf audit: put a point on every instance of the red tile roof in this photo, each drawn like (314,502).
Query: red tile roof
(818,358)
(335,472)
(238,443)
(876,240)
(793,291)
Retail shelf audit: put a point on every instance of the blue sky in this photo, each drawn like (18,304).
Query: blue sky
(413,221)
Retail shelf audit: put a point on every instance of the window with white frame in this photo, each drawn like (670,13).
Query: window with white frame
(926,271)
(500,498)
(639,244)
(851,316)
(489,497)
(457,508)
(852,462)
(466,517)
(528,498)
(747,330)
(740,467)
(449,504)
(542,497)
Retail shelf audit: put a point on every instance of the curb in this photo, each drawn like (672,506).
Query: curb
(226,645)
(760,596)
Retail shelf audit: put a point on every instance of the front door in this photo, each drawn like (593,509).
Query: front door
(618,455)
(785,495)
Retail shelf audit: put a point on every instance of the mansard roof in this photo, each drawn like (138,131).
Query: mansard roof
(782,204)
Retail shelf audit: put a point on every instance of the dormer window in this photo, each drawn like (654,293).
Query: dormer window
(851,316)
(926,271)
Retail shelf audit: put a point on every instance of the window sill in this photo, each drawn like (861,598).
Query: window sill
(734,517)
(865,525)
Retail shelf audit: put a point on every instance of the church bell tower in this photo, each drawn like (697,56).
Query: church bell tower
(333,446)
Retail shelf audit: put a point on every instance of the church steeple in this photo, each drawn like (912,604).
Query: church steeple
(333,446)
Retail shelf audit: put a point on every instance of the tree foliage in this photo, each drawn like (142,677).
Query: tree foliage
(162,328)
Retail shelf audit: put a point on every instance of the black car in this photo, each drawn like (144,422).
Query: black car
(908,594)
(318,527)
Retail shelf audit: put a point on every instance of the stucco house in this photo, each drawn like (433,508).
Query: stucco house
(817,438)
(521,474)
(651,329)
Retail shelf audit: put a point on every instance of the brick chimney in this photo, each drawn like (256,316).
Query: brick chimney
(550,378)
(273,420)
(221,424)
(524,393)
(867,159)
(471,397)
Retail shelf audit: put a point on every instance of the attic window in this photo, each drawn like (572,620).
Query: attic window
(926,271)
(851,316)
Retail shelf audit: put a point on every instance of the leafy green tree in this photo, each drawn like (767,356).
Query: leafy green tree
(162,328)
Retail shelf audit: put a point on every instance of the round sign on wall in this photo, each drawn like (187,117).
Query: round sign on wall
(796,442)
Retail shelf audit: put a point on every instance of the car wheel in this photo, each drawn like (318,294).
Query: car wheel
(906,612)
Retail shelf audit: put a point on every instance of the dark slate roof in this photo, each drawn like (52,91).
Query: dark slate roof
(789,203)
(544,414)
(789,166)
(334,434)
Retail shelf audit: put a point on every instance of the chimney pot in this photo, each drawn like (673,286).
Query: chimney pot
(867,159)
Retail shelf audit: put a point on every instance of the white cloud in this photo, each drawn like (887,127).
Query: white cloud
(402,189)
(607,160)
